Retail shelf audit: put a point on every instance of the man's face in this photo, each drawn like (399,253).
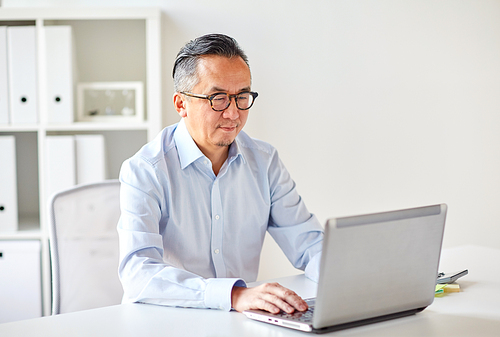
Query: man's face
(212,130)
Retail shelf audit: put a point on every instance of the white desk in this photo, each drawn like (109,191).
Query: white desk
(473,312)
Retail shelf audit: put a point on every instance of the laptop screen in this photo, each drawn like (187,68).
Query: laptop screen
(378,264)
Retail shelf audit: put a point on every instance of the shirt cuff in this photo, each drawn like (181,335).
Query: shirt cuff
(218,292)
(312,268)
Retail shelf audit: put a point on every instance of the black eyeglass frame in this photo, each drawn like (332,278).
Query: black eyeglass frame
(235,96)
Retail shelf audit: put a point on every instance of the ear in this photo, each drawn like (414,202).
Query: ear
(180,104)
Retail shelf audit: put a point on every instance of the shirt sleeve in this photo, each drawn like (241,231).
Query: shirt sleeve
(144,275)
(298,232)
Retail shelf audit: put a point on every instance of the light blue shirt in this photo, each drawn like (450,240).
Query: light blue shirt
(188,236)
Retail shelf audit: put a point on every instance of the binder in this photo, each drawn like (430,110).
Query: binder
(4,88)
(60,163)
(20,281)
(59,70)
(21,55)
(8,184)
(90,158)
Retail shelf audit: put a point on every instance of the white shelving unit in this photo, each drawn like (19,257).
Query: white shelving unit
(115,44)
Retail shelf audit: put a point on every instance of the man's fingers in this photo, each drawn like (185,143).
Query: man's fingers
(295,300)
(271,297)
(292,298)
(278,302)
(262,304)
(285,299)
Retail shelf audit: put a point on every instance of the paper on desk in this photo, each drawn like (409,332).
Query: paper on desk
(452,288)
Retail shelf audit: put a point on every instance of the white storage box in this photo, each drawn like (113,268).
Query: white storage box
(20,280)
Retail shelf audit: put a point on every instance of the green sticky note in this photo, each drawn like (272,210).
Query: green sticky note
(439,289)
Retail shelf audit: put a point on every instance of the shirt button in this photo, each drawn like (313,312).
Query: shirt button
(217,217)
(216,251)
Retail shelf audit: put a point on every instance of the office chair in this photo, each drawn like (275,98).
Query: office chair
(84,247)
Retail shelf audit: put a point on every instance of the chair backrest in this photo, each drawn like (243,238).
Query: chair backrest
(84,247)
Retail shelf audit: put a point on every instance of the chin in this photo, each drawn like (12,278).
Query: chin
(224,139)
(225,143)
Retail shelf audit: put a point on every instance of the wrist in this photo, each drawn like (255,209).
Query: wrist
(235,295)
(218,292)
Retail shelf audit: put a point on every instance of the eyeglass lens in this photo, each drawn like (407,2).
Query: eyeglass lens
(221,101)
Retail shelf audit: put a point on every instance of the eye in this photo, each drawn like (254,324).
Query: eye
(243,96)
(219,98)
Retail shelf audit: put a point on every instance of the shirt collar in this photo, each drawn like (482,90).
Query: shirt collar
(235,151)
(186,147)
(189,152)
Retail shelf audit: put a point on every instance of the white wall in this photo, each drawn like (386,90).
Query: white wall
(373,105)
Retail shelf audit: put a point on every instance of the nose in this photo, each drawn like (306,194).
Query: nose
(232,112)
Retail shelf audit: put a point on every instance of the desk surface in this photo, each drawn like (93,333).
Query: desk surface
(473,312)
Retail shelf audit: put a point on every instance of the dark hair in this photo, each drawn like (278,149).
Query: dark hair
(186,62)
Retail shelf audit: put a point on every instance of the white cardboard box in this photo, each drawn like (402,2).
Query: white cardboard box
(20,280)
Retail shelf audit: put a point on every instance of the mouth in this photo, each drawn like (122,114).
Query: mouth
(228,128)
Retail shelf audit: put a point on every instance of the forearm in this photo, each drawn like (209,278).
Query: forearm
(147,281)
(298,232)
(301,242)
(312,268)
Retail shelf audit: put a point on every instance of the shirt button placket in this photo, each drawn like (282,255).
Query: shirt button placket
(217,231)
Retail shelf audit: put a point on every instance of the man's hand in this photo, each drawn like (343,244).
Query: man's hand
(269,297)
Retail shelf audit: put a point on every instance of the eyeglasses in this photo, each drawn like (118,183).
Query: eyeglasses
(221,101)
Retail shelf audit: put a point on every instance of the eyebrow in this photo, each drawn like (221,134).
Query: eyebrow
(217,89)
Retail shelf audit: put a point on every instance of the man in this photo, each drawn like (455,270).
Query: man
(197,200)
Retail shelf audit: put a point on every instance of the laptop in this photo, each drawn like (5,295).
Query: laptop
(374,267)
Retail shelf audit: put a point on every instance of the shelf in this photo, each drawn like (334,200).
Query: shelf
(78,126)
(83,126)
(29,229)
(82,13)
(109,45)
(19,128)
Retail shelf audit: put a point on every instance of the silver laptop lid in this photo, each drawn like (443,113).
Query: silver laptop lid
(379,264)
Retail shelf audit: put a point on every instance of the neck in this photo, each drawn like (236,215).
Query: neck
(216,155)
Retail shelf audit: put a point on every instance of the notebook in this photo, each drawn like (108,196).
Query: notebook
(374,267)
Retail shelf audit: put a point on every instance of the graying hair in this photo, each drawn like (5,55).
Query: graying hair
(186,63)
